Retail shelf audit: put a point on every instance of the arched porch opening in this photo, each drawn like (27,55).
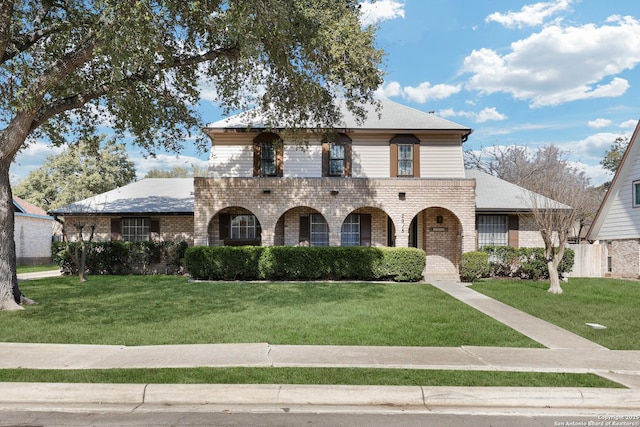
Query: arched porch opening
(301,226)
(365,226)
(234,226)
(438,232)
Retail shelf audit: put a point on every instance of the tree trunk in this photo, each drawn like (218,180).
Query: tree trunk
(554,277)
(10,295)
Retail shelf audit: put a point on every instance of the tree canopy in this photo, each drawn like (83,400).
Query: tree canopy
(69,67)
(82,170)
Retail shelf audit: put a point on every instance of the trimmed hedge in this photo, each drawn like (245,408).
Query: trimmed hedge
(474,265)
(124,257)
(525,263)
(304,263)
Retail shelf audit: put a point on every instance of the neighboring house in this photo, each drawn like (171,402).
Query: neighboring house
(617,224)
(33,230)
(398,179)
(150,209)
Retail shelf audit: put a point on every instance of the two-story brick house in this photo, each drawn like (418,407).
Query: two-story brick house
(398,179)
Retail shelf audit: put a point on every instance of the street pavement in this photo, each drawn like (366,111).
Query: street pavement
(565,352)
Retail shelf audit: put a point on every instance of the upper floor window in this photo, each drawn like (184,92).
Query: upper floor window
(636,194)
(405,156)
(336,156)
(267,155)
(336,160)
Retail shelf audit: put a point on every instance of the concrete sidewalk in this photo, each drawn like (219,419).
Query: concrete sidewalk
(566,352)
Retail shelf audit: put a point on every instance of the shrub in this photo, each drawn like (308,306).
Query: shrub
(123,257)
(474,265)
(526,263)
(305,263)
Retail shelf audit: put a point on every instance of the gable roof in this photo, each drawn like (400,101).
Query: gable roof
(392,116)
(631,154)
(22,207)
(147,196)
(497,195)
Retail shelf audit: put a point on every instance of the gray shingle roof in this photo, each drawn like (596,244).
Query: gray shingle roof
(497,195)
(393,116)
(149,196)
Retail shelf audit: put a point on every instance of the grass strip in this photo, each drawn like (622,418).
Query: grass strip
(307,376)
(37,268)
(609,302)
(155,310)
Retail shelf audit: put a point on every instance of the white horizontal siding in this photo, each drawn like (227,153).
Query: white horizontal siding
(441,160)
(623,220)
(303,162)
(370,160)
(231,161)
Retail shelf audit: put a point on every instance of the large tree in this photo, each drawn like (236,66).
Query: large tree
(68,66)
(84,169)
(569,198)
(613,157)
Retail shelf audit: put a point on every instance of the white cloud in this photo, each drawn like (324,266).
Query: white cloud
(381,10)
(31,158)
(422,93)
(560,64)
(485,115)
(599,123)
(425,92)
(530,15)
(629,124)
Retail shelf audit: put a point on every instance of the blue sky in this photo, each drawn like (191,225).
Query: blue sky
(561,72)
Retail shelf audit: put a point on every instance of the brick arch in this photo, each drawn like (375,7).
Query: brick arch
(376,222)
(290,228)
(439,233)
(218,228)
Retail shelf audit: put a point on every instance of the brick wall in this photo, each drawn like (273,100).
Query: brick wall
(172,228)
(625,258)
(277,203)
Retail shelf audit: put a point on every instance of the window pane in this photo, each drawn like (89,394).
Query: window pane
(336,160)
(268,159)
(135,229)
(636,193)
(244,227)
(492,230)
(319,230)
(350,234)
(405,160)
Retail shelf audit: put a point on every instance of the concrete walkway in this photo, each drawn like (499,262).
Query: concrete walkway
(566,352)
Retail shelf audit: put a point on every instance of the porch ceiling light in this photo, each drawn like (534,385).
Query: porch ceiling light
(402,195)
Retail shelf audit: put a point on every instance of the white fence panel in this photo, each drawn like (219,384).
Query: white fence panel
(589,260)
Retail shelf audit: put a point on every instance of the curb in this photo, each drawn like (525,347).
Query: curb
(399,397)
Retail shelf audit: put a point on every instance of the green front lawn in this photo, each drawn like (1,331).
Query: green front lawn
(148,310)
(345,376)
(37,268)
(609,302)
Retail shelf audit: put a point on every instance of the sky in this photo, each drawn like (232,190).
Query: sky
(562,72)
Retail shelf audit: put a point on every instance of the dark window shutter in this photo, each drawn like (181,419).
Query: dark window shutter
(348,155)
(116,229)
(326,147)
(279,149)
(256,160)
(365,229)
(154,226)
(305,232)
(224,221)
(514,226)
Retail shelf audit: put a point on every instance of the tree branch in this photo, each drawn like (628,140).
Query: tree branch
(80,99)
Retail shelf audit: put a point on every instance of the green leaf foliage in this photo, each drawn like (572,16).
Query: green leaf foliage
(526,263)
(90,166)
(474,265)
(305,263)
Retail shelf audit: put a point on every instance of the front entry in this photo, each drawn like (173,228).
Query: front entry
(439,234)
